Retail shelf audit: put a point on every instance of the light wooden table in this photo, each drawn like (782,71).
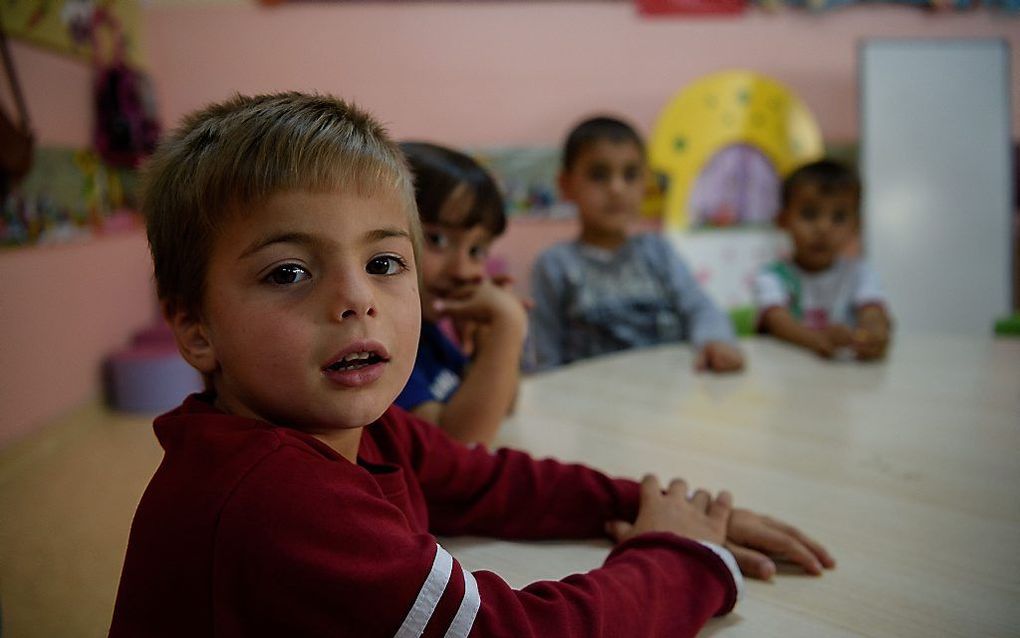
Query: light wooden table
(907,470)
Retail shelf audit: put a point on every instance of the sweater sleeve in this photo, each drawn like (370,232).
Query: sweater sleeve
(547,316)
(300,552)
(707,322)
(470,490)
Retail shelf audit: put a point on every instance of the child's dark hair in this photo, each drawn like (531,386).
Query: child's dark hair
(596,129)
(828,175)
(438,172)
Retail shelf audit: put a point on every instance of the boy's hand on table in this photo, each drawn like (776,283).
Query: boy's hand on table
(872,335)
(755,540)
(719,356)
(699,517)
(830,339)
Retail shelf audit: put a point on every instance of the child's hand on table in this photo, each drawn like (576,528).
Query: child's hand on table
(872,335)
(699,517)
(719,356)
(755,540)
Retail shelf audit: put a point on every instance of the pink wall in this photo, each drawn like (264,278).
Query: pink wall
(521,72)
(63,308)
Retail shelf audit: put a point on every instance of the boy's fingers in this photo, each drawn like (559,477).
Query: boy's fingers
(650,488)
(778,543)
(823,555)
(701,499)
(753,564)
(721,506)
(677,487)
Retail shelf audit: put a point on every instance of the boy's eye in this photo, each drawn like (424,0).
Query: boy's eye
(288,274)
(809,213)
(631,173)
(598,173)
(386,265)
(436,240)
(840,217)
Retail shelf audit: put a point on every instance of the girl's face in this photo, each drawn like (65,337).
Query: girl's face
(453,256)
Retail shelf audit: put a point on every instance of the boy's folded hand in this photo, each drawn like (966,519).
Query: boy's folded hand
(698,517)
(719,356)
(756,540)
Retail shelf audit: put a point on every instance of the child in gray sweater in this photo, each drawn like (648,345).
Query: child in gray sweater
(610,290)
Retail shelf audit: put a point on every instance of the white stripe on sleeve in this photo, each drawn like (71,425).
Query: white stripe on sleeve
(465,618)
(428,596)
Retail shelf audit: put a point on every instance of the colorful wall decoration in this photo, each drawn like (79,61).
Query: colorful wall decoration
(70,195)
(66,25)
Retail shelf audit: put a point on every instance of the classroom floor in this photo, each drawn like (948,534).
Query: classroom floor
(67,496)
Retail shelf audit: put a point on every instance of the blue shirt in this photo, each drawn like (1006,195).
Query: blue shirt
(437,370)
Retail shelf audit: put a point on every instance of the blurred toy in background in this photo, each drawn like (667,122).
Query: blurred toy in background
(126,126)
(723,144)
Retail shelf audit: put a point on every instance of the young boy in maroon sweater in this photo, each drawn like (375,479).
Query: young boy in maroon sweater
(292,499)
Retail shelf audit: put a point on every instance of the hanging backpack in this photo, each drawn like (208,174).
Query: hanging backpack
(126,127)
(16,140)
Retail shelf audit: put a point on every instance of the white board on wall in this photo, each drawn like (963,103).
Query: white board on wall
(936,165)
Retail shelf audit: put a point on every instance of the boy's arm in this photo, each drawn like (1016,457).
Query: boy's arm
(488,387)
(707,322)
(781,324)
(303,551)
(874,325)
(710,329)
(547,321)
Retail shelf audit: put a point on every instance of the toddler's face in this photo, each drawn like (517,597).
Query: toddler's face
(607,183)
(820,224)
(311,313)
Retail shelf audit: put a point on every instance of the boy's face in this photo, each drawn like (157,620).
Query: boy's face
(820,224)
(453,256)
(311,316)
(607,182)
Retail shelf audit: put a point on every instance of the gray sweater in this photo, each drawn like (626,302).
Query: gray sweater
(591,301)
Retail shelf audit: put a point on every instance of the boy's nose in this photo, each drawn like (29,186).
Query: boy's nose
(353,298)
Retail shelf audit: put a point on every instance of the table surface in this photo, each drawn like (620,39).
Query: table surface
(907,470)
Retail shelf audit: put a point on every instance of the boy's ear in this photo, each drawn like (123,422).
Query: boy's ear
(783,217)
(566,192)
(192,337)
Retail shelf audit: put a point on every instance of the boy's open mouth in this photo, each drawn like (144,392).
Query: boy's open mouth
(355,361)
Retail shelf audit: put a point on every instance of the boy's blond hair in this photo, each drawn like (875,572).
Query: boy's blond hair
(235,154)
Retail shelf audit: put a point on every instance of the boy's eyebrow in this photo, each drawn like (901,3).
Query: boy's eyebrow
(306,239)
(379,234)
